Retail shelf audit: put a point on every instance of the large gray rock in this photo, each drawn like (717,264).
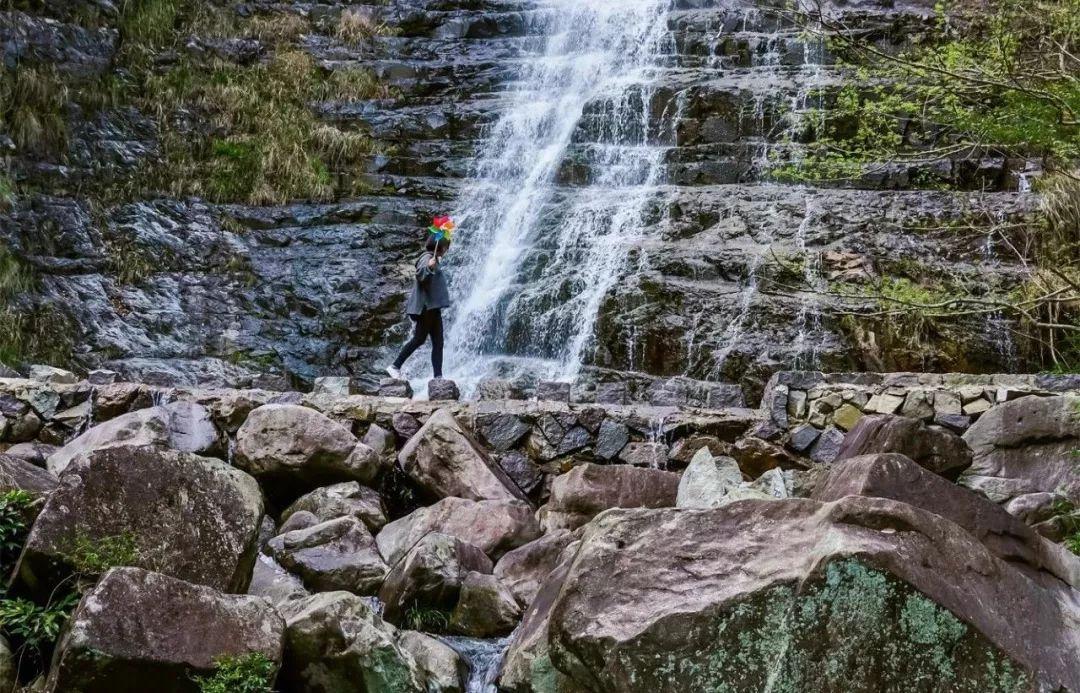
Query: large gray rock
(293,448)
(186,516)
(275,584)
(335,555)
(588,489)
(18,474)
(896,477)
(936,448)
(485,608)
(494,527)
(335,642)
(525,568)
(707,481)
(445,461)
(1026,446)
(183,426)
(859,594)
(34,452)
(441,665)
(341,500)
(142,631)
(430,575)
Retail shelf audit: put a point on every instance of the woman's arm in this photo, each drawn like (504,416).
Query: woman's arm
(425,267)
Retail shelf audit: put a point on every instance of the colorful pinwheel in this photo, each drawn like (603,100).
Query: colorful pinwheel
(442,228)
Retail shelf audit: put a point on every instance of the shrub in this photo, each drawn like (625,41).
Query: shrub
(13,528)
(426,619)
(250,673)
(33,102)
(92,557)
(356,26)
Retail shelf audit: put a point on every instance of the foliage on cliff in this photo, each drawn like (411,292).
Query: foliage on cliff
(984,80)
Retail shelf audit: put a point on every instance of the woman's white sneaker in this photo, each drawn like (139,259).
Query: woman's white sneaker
(393,372)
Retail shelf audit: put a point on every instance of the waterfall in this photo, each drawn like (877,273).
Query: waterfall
(536,254)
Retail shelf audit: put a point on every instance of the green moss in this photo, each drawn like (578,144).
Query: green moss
(856,629)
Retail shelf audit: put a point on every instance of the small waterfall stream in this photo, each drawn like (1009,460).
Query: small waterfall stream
(483,657)
(536,253)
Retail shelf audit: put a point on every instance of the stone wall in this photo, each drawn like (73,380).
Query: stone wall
(810,411)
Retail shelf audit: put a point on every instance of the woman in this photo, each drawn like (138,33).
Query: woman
(429,296)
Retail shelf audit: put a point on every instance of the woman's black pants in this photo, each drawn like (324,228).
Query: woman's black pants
(428,325)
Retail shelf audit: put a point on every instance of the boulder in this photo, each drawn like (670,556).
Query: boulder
(134,632)
(446,462)
(102,376)
(896,477)
(440,664)
(936,448)
(485,608)
(337,555)
(301,519)
(189,517)
(33,452)
(19,475)
(381,441)
(494,527)
(335,641)
(684,449)
(756,456)
(1026,446)
(525,568)
(707,481)
(52,375)
(293,448)
(442,389)
(183,426)
(340,500)
(430,575)
(586,490)
(653,455)
(275,584)
(859,594)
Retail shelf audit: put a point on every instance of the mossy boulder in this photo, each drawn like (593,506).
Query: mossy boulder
(860,594)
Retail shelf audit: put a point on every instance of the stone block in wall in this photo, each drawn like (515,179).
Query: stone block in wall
(967,393)
(918,405)
(611,393)
(855,378)
(976,407)
(802,437)
(904,380)
(723,395)
(495,389)
(553,391)
(333,385)
(957,423)
(777,406)
(847,416)
(884,404)
(827,446)
(946,402)
(1058,383)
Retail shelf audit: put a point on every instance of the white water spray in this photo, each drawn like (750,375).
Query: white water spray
(536,258)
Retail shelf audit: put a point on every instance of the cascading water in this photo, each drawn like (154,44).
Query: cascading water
(536,257)
(483,657)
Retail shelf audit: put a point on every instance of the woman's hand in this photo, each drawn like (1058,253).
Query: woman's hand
(432,262)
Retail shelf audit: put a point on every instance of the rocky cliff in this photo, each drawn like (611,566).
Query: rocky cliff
(131,239)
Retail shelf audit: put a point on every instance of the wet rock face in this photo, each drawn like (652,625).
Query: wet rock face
(320,286)
(133,632)
(935,448)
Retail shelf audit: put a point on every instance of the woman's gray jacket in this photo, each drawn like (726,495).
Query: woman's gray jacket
(429,290)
